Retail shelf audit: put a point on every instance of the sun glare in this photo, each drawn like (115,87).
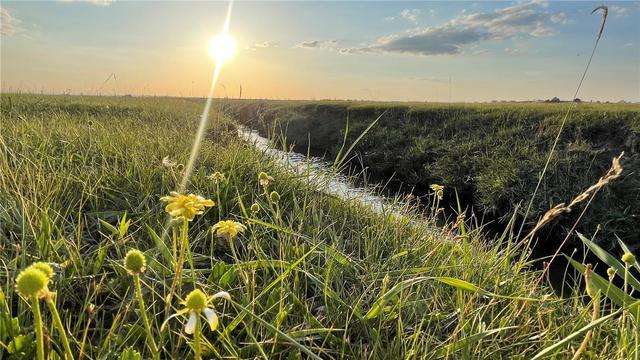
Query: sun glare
(222,48)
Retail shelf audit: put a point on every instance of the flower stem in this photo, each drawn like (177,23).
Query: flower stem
(61,330)
(197,351)
(37,324)
(145,319)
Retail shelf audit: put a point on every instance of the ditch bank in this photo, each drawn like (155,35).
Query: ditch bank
(491,154)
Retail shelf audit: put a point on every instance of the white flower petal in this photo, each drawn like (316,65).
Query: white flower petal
(191,324)
(212,318)
(222,294)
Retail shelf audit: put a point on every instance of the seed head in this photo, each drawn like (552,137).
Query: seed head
(44,267)
(32,282)
(135,262)
(196,300)
(255,208)
(628,258)
(264,179)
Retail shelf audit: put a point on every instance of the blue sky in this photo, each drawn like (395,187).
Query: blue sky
(419,51)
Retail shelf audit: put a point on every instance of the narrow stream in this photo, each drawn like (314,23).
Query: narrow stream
(319,172)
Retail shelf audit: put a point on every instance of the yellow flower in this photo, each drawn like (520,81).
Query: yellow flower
(228,228)
(217,177)
(438,190)
(185,206)
(196,303)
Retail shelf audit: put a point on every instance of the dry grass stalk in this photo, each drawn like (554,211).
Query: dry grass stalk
(614,172)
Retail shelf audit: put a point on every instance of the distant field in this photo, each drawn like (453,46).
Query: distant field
(312,276)
(491,154)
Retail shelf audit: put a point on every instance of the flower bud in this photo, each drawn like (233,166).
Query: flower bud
(611,272)
(628,258)
(274,196)
(135,262)
(255,208)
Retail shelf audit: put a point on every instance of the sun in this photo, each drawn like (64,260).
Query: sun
(222,48)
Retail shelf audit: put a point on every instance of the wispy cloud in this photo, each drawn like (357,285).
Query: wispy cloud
(9,24)
(262,45)
(530,18)
(93,2)
(410,14)
(434,79)
(426,41)
(516,51)
(619,11)
(318,44)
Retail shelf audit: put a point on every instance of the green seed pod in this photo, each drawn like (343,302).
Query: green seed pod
(592,290)
(196,300)
(274,196)
(255,208)
(628,258)
(32,282)
(135,262)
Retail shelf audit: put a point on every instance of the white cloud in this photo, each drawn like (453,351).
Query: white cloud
(410,14)
(516,51)
(262,45)
(530,19)
(506,22)
(9,24)
(619,11)
(318,44)
(93,2)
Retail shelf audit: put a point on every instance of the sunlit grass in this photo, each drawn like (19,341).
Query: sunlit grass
(304,275)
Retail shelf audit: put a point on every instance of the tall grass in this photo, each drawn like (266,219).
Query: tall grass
(311,276)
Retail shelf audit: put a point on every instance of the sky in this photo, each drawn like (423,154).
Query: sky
(400,51)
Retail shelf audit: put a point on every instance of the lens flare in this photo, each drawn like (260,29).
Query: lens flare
(222,48)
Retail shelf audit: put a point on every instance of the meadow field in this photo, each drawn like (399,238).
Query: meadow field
(297,274)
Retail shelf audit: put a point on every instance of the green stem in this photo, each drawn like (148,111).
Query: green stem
(624,313)
(37,324)
(61,330)
(187,250)
(145,319)
(197,351)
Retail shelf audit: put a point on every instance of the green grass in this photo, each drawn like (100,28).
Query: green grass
(492,154)
(312,274)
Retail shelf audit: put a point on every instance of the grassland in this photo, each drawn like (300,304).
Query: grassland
(312,275)
(491,154)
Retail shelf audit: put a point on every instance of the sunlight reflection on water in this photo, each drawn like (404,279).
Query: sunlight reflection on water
(319,173)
